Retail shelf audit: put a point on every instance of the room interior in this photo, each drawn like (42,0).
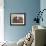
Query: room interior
(23,31)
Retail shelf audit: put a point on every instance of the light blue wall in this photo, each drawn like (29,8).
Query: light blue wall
(30,7)
(43,6)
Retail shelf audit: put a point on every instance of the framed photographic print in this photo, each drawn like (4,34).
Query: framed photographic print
(17,19)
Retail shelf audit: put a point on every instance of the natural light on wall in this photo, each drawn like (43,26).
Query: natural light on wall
(1,20)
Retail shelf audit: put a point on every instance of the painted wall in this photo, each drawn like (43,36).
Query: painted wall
(30,7)
(43,6)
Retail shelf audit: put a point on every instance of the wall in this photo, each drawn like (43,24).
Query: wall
(43,6)
(30,7)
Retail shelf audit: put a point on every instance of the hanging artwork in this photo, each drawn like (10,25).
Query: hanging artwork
(17,19)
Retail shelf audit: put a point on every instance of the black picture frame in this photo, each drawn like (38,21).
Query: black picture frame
(17,19)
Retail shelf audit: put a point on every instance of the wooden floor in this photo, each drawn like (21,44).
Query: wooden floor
(44,45)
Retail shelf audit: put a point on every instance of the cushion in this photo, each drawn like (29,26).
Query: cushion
(20,42)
